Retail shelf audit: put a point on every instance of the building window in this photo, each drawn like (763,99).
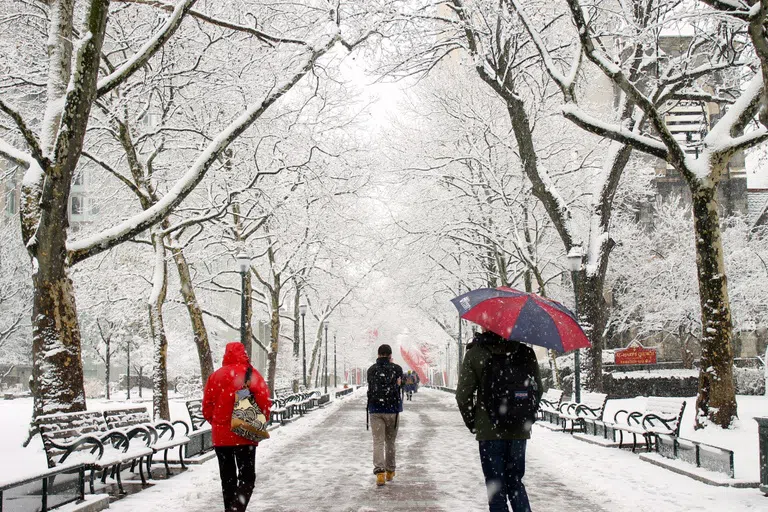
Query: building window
(93,206)
(77,205)
(79,178)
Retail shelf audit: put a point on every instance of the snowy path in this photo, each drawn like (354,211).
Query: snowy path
(323,463)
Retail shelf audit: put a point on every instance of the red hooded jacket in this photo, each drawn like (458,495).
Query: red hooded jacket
(219,395)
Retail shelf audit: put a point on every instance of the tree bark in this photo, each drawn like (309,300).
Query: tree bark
(199,332)
(157,329)
(593,317)
(296,337)
(274,324)
(717,394)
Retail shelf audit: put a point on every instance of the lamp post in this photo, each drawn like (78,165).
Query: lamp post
(128,367)
(574,265)
(325,325)
(335,375)
(458,359)
(303,311)
(244,264)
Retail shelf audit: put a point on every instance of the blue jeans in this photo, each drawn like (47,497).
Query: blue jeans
(504,466)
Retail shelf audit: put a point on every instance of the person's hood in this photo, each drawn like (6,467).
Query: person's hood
(235,353)
(493,343)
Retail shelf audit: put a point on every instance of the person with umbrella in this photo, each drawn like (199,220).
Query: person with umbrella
(504,372)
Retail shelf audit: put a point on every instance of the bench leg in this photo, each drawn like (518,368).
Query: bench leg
(90,481)
(621,439)
(141,471)
(181,456)
(165,461)
(149,466)
(133,466)
(119,480)
(634,442)
(104,476)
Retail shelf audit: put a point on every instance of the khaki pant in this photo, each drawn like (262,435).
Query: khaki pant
(384,435)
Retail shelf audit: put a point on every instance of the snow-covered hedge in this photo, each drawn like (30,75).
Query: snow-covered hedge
(749,381)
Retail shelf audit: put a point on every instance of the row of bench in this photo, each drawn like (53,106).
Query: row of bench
(657,427)
(109,441)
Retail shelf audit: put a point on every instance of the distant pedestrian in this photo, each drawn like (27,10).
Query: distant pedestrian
(237,455)
(505,375)
(410,384)
(385,404)
(418,381)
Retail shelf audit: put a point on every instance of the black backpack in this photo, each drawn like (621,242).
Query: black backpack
(509,392)
(382,386)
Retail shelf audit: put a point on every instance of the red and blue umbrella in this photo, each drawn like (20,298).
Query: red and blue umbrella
(524,317)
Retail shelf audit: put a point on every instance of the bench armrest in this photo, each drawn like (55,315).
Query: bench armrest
(567,407)
(69,448)
(650,418)
(616,416)
(595,412)
(636,417)
(165,427)
(116,435)
(150,436)
(544,401)
(183,424)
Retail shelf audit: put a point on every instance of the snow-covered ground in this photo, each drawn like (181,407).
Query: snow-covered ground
(741,437)
(323,463)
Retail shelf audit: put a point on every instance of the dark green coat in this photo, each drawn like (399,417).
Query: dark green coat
(471,380)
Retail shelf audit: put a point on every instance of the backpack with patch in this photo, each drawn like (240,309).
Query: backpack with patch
(383,390)
(509,391)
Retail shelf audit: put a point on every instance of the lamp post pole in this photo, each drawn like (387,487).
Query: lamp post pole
(574,264)
(244,262)
(303,310)
(325,324)
(335,375)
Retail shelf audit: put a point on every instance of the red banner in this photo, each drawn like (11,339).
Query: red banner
(635,355)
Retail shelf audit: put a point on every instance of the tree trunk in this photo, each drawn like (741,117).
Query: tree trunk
(593,317)
(157,330)
(107,362)
(199,332)
(717,394)
(249,315)
(274,324)
(296,339)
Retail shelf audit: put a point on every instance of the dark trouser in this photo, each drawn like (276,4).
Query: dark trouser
(237,467)
(504,466)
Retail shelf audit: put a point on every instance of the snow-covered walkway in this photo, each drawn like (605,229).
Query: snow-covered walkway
(323,463)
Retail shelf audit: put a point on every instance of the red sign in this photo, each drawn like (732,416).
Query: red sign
(635,355)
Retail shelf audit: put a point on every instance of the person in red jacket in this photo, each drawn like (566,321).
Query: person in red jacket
(237,455)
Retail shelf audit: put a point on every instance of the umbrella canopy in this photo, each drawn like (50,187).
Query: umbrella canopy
(521,316)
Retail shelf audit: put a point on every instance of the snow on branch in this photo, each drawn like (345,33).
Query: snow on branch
(29,137)
(615,132)
(673,152)
(147,51)
(82,249)
(259,34)
(566,83)
(719,139)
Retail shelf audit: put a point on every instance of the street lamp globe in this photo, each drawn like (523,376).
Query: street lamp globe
(243,261)
(574,258)
(325,324)
(303,309)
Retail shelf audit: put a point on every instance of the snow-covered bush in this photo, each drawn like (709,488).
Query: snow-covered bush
(749,381)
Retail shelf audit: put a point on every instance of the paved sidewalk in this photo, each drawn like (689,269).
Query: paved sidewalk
(330,468)
(323,463)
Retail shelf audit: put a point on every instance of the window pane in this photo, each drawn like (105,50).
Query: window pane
(77,205)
